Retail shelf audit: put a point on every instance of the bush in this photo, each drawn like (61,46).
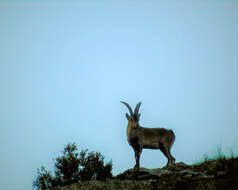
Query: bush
(93,167)
(72,167)
(43,180)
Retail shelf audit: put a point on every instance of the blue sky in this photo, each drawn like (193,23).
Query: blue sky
(66,65)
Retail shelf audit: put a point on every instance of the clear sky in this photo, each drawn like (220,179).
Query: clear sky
(66,65)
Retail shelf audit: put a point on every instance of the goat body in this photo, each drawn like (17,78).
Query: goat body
(150,138)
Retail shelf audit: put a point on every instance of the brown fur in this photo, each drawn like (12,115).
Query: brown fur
(149,138)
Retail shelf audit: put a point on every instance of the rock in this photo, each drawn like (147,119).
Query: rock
(212,175)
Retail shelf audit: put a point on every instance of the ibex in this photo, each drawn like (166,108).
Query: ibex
(150,138)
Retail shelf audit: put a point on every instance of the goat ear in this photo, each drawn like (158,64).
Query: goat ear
(127,116)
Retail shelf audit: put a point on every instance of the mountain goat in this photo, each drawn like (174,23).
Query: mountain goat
(150,138)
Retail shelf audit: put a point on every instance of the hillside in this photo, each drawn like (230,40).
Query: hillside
(220,174)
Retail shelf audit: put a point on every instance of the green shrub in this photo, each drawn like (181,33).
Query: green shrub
(43,180)
(72,167)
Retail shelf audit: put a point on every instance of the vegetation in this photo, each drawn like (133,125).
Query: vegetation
(218,154)
(217,161)
(72,167)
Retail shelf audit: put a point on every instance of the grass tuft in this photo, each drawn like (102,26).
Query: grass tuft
(217,161)
(217,155)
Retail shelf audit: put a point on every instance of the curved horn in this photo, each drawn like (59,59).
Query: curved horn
(129,107)
(136,114)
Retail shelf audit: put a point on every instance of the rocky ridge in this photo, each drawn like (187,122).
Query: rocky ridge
(211,175)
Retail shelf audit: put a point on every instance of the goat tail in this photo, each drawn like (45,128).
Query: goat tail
(172,137)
